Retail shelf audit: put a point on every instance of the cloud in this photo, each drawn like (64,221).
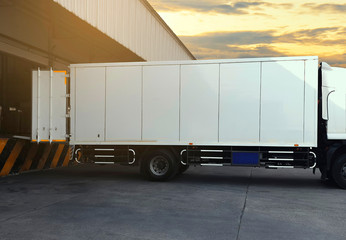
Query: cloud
(334,8)
(213,6)
(265,43)
(234,52)
(219,39)
(316,36)
(335,60)
(231,44)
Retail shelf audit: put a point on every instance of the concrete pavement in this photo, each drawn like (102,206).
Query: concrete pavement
(114,202)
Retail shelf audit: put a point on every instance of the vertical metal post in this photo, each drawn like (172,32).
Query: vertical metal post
(38,106)
(2,90)
(50,103)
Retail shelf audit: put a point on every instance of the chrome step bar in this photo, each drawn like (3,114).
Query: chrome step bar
(280,159)
(212,164)
(283,152)
(273,166)
(112,156)
(104,162)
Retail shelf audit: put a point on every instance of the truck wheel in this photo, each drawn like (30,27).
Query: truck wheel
(159,165)
(339,171)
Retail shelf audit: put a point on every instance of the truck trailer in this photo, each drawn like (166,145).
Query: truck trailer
(282,112)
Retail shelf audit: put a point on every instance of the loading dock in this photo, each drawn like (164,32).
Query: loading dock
(43,34)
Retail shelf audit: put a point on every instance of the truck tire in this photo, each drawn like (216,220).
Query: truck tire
(159,165)
(339,171)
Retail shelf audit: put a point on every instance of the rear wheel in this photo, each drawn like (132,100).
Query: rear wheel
(159,165)
(339,171)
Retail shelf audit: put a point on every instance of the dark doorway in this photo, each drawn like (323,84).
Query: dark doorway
(15,95)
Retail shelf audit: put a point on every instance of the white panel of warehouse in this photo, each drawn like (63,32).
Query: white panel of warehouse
(134,24)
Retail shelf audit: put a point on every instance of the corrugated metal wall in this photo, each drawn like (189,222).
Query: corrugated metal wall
(132,23)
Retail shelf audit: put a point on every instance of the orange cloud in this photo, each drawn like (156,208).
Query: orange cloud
(214,6)
(327,43)
(232,29)
(335,8)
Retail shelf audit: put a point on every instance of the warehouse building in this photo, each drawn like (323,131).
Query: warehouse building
(56,33)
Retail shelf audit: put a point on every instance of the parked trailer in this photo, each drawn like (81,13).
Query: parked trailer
(170,115)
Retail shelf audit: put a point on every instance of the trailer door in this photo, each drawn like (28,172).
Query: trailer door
(48,106)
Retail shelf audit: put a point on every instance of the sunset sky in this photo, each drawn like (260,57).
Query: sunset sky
(233,29)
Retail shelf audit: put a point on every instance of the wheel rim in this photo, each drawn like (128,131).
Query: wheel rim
(343,171)
(159,165)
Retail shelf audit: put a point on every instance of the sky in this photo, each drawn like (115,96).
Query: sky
(219,29)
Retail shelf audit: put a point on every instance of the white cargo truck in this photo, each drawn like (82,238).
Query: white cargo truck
(287,112)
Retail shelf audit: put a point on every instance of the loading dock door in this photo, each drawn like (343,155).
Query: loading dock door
(48,106)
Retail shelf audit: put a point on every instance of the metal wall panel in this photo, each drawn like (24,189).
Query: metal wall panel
(48,106)
(310,111)
(43,107)
(90,104)
(199,103)
(282,102)
(161,103)
(40,105)
(132,23)
(214,107)
(123,103)
(58,111)
(34,116)
(240,102)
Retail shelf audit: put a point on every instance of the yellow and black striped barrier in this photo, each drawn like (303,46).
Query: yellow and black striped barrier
(17,155)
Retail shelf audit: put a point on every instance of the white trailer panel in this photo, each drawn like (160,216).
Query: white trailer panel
(310,97)
(282,102)
(240,102)
(58,107)
(199,105)
(161,90)
(90,104)
(41,89)
(48,106)
(123,103)
(236,102)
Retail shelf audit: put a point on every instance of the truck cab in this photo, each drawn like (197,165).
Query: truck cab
(332,132)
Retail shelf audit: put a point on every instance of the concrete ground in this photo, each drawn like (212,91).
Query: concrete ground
(113,202)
